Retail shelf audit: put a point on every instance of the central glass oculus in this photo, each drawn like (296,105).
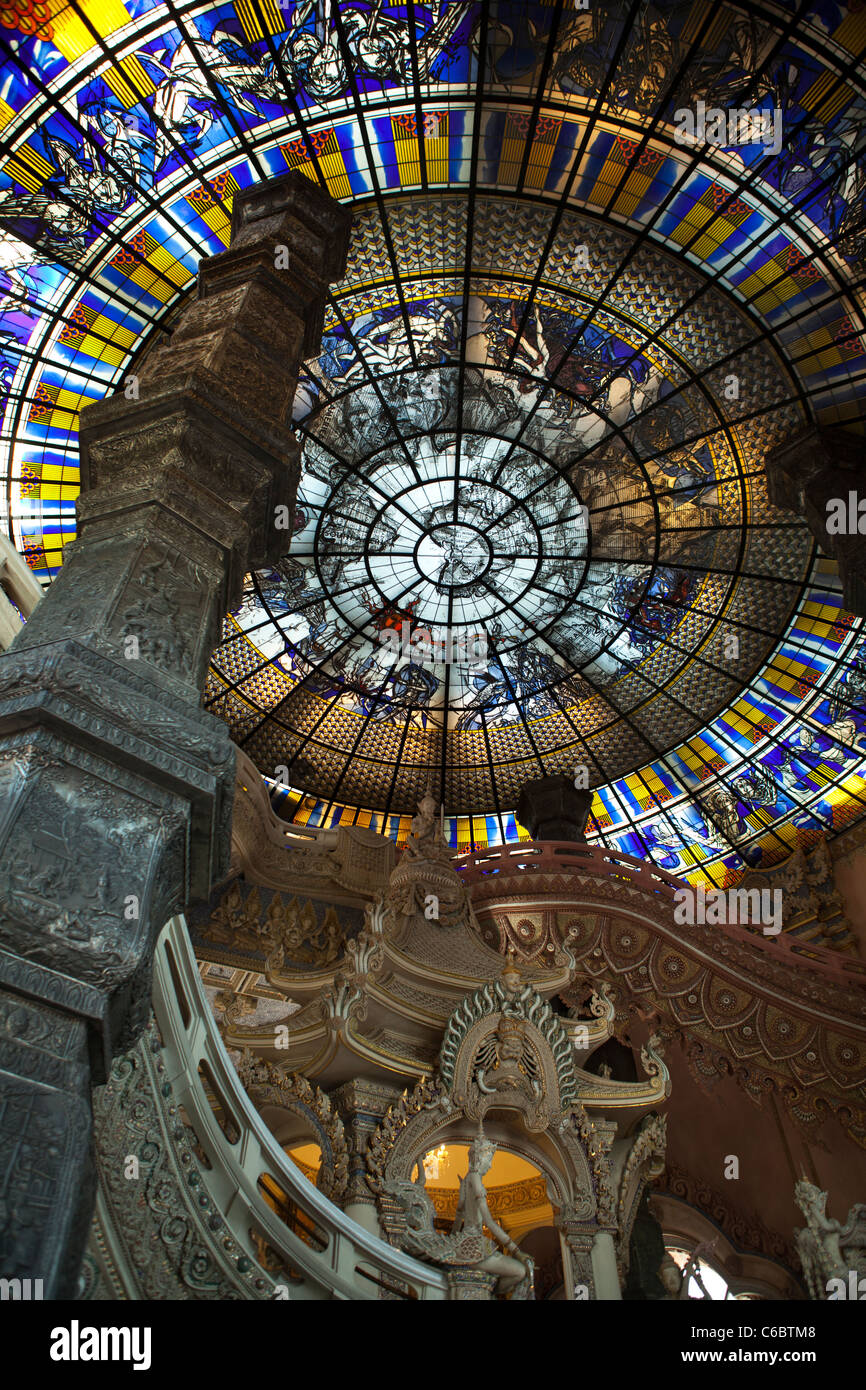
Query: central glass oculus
(453,554)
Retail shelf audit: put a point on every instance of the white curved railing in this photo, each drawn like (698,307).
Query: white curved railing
(353,1264)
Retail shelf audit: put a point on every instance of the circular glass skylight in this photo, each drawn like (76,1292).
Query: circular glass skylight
(536,428)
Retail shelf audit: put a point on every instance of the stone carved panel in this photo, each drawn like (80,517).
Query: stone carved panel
(44,1141)
(161,608)
(78,854)
(171,1234)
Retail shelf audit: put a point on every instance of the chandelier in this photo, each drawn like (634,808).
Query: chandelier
(436,1160)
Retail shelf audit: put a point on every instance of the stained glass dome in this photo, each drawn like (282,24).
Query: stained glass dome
(532,532)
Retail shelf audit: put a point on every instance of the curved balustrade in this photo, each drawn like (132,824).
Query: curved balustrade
(560,856)
(353,1263)
(566,856)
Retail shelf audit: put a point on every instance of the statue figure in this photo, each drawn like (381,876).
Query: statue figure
(427,840)
(822,1241)
(513,986)
(466,1246)
(425,882)
(473,1214)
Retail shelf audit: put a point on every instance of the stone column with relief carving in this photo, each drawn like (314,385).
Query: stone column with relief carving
(362,1106)
(115,786)
(577,1242)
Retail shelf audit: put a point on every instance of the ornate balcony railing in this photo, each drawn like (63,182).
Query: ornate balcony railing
(486,871)
(332,1254)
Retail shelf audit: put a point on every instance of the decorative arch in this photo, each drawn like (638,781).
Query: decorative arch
(506,1064)
(268,1086)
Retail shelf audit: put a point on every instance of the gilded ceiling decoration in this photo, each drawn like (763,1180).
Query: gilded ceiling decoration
(548,381)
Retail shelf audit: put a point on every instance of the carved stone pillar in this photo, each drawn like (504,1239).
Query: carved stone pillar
(807,475)
(115,787)
(362,1106)
(577,1265)
(552,808)
(604,1268)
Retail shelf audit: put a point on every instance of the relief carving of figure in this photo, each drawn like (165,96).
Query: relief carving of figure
(513,1065)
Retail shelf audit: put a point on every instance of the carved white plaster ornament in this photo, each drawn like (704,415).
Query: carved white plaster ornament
(507,1059)
(466,1247)
(833,1256)
(427,840)
(269,1086)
